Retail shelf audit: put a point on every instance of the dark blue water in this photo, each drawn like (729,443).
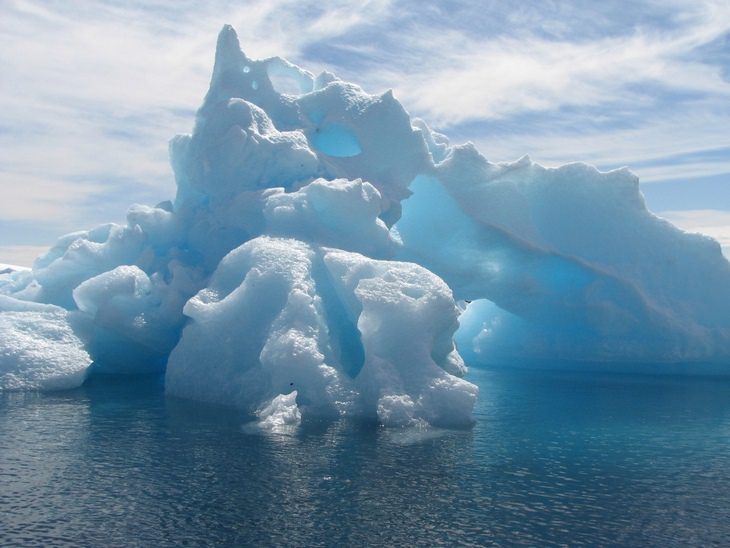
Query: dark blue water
(552,459)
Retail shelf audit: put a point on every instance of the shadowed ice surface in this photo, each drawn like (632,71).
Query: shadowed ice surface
(552,458)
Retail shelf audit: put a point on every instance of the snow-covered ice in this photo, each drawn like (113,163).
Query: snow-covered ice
(349,333)
(313,256)
(38,347)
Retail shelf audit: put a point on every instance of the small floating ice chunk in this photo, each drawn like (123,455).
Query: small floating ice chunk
(281,414)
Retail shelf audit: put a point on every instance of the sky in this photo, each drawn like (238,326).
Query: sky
(91,92)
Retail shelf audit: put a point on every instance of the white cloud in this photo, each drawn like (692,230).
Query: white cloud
(693,129)
(20,255)
(37,197)
(453,76)
(684,171)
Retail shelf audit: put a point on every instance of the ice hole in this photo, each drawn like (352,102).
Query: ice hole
(413,292)
(288,79)
(336,140)
(285,83)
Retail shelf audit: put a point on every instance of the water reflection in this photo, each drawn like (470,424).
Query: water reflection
(552,458)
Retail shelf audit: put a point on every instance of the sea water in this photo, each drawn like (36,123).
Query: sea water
(552,458)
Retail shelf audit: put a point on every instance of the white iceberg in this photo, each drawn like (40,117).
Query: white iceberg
(307,263)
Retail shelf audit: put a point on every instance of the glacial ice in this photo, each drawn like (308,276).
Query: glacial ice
(569,263)
(311,262)
(352,335)
(38,347)
(280,416)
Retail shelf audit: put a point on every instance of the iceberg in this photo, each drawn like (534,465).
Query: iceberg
(270,282)
(327,255)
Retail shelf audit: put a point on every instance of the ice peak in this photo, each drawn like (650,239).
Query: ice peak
(228,54)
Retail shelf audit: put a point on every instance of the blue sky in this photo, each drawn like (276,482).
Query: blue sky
(91,92)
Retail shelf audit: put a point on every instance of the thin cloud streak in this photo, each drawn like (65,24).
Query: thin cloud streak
(20,255)
(659,141)
(450,76)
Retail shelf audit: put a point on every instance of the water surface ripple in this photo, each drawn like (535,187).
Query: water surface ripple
(552,459)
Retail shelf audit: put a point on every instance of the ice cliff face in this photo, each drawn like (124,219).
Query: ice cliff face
(289,276)
(565,265)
